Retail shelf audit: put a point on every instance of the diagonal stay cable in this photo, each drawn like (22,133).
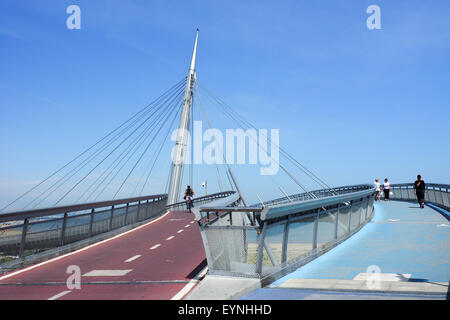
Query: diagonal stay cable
(166,112)
(81,165)
(277,162)
(81,154)
(60,199)
(140,158)
(159,151)
(122,156)
(296,163)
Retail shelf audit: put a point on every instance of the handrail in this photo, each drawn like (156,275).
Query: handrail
(223,194)
(436,194)
(36,213)
(284,209)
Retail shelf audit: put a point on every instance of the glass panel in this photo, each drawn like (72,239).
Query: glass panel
(274,239)
(300,237)
(325,230)
(344,214)
(354,223)
(43,234)
(77,228)
(251,249)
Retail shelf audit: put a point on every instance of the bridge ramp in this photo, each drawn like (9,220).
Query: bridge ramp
(409,245)
(154,261)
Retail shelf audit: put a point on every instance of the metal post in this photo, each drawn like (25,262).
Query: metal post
(231,218)
(91,222)
(139,209)
(285,242)
(367,209)
(111,218)
(442,195)
(350,216)
(259,256)
(126,212)
(63,230)
(24,236)
(316,225)
(336,220)
(146,210)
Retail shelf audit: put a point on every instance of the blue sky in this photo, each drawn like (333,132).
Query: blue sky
(351,103)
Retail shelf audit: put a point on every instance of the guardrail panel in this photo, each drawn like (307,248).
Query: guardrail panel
(300,240)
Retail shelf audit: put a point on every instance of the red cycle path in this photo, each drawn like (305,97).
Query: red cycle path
(157,274)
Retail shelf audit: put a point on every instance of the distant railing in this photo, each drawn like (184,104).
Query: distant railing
(271,241)
(437,194)
(58,226)
(200,200)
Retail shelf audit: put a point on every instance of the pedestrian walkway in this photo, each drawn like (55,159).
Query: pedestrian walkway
(409,246)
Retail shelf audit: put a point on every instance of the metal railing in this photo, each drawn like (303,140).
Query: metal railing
(437,194)
(271,241)
(53,227)
(201,200)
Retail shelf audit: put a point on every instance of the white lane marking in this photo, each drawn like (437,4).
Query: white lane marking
(187,226)
(133,258)
(59,295)
(170,238)
(183,292)
(82,249)
(106,273)
(394,220)
(180,231)
(192,221)
(155,246)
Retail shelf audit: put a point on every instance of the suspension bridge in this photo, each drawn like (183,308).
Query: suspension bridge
(108,215)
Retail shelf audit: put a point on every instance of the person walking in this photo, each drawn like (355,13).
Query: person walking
(377,189)
(419,191)
(386,189)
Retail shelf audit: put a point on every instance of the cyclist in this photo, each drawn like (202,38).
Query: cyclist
(188,196)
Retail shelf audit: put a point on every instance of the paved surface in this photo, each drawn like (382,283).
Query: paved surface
(402,240)
(223,288)
(158,260)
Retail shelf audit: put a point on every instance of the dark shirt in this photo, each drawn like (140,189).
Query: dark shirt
(189,192)
(419,185)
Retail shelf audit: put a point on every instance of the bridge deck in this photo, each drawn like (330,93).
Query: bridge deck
(152,271)
(402,239)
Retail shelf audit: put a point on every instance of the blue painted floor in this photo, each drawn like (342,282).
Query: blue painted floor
(401,238)
(297,294)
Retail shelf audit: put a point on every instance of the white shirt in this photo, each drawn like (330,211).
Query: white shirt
(387,185)
(377,184)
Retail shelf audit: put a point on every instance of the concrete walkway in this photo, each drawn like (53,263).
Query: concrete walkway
(409,247)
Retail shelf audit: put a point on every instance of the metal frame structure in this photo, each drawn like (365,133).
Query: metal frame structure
(57,226)
(437,194)
(176,174)
(258,241)
(201,200)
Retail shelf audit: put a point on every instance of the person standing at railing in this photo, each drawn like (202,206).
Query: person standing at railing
(378,189)
(419,191)
(386,189)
